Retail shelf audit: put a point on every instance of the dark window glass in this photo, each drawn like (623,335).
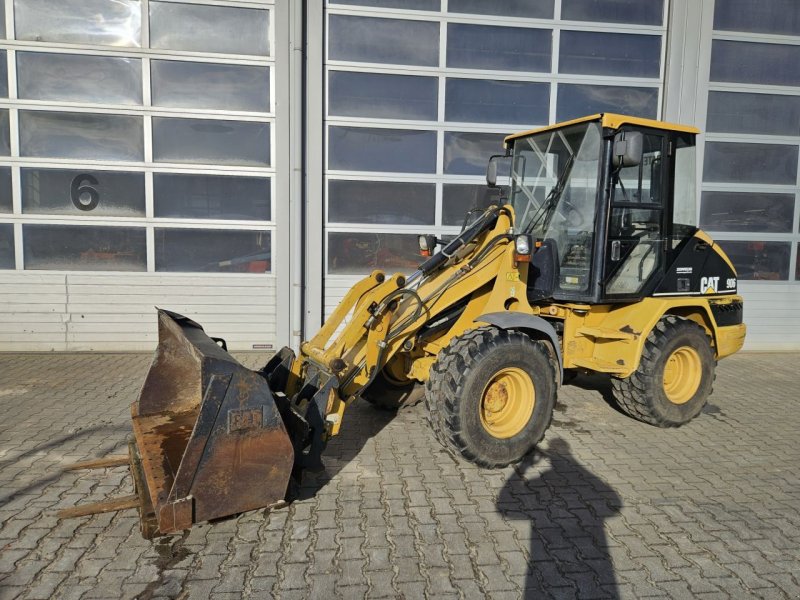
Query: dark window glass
(468,153)
(623,54)
(758,260)
(212,142)
(381,202)
(482,101)
(356,253)
(5,190)
(205,85)
(217,250)
(2,20)
(82,192)
(392,41)
(764,16)
(373,149)
(642,183)
(750,163)
(767,114)
(79,78)
(382,96)
(458,199)
(82,248)
(538,9)
(498,48)
(211,197)
(3,73)
(650,12)
(5,145)
(80,135)
(199,28)
(7,255)
(402,4)
(106,22)
(578,100)
(736,211)
(750,62)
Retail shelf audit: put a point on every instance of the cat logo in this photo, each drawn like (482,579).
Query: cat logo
(709,285)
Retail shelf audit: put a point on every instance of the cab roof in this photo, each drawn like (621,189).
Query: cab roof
(610,120)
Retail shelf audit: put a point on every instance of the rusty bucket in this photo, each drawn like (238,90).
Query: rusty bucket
(208,439)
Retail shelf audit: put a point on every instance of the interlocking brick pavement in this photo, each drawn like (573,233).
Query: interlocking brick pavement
(607,508)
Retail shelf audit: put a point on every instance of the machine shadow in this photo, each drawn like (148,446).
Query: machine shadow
(60,441)
(598,382)
(566,506)
(363,422)
(57,472)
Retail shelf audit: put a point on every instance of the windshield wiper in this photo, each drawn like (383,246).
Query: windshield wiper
(552,198)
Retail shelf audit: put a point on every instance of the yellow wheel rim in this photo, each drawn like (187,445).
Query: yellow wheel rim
(507,403)
(682,374)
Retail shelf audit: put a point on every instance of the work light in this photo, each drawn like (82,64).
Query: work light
(427,244)
(522,248)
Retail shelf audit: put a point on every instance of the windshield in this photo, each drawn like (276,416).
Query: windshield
(553,191)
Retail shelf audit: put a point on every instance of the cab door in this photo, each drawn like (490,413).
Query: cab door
(635,252)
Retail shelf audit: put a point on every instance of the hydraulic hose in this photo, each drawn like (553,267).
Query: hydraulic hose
(390,335)
(482,223)
(486,221)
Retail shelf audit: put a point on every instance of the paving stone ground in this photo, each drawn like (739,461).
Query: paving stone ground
(608,507)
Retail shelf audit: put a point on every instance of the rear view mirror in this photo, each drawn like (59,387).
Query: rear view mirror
(491,172)
(491,169)
(627,149)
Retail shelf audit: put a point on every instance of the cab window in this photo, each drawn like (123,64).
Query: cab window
(635,235)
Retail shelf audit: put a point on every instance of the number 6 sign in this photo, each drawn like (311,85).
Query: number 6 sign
(84,196)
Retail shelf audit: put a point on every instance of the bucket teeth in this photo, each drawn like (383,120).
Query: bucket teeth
(100,463)
(112,505)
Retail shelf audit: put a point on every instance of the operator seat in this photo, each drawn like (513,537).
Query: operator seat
(543,271)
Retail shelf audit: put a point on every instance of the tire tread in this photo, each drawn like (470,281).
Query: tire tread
(634,394)
(444,386)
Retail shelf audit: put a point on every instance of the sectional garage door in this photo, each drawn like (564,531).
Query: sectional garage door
(419,94)
(137,168)
(750,196)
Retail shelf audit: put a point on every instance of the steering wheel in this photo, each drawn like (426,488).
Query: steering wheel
(570,213)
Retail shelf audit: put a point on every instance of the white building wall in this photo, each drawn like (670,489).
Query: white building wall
(770,313)
(105,312)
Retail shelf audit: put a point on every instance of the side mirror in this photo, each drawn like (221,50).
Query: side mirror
(627,149)
(491,168)
(491,172)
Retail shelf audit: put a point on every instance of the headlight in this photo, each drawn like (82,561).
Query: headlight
(427,244)
(522,245)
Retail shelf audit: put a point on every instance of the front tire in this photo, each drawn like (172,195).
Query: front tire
(674,378)
(491,395)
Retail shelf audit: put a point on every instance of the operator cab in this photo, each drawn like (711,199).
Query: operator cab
(610,202)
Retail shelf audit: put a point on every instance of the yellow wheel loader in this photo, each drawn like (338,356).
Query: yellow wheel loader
(588,262)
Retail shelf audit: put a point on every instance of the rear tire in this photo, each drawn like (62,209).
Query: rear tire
(491,395)
(674,378)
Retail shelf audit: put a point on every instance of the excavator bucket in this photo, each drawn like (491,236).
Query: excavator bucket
(208,437)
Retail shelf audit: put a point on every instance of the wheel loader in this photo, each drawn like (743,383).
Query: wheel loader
(587,262)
